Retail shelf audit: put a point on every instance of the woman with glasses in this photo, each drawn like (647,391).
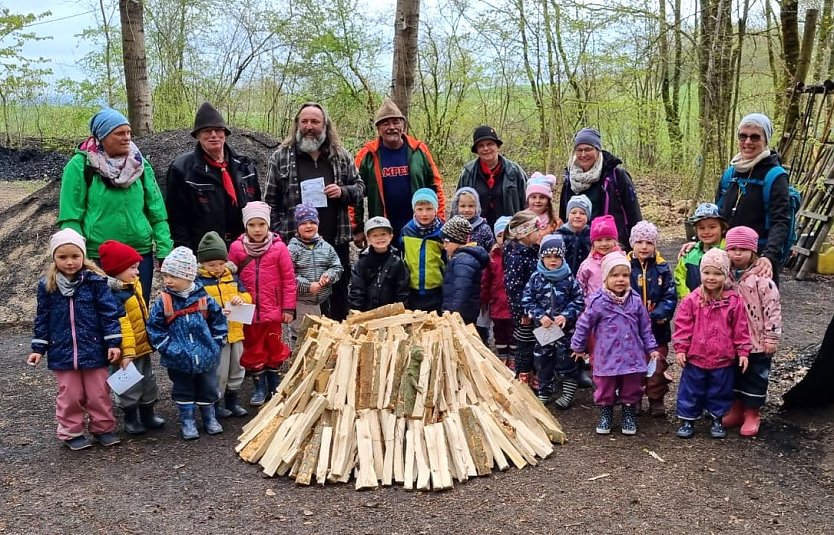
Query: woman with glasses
(598,174)
(743,202)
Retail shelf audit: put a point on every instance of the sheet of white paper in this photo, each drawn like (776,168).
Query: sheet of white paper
(242,313)
(651,367)
(312,192)
(548,335)
(124,378)
(483,319)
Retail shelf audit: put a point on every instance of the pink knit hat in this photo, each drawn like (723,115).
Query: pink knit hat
(603,227)
(716,258)
(539,187)
(742,238)
(611,261)
(255,209)
(643,231)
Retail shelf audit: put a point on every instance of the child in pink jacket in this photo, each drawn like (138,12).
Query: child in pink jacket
(265,268)
(711,333)
(603,242)
(764,317)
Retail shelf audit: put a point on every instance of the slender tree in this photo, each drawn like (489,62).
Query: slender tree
(139,105)
(406,30)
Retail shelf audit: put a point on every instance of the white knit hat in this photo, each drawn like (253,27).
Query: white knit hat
(65,237)
(181,263)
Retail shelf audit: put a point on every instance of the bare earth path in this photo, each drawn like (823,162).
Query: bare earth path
(781,482)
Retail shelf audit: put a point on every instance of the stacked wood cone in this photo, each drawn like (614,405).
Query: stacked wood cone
(393,396)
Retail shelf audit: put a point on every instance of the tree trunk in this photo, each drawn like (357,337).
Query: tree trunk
(406,26)
(823,42)
(790,56)
(667,76)
(800,70)
(139,106)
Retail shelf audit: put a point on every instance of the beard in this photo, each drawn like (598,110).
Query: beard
(308,145)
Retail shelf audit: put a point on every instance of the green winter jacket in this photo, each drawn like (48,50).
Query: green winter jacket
(135,215)
(688,270)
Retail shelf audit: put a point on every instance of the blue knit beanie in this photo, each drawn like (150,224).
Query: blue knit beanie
(424,195)
(588,136)
(552,244)
(304,213)
(762,121)
(501,224)
(582,202)
(105,121)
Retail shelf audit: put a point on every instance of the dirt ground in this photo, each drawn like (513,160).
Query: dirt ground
(779,482)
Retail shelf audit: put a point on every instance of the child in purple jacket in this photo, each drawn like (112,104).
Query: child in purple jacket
(622,330)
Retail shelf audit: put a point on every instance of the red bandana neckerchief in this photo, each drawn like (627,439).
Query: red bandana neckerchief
(490,173)
(228,185)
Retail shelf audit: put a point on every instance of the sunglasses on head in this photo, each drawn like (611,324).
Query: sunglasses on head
(755,138)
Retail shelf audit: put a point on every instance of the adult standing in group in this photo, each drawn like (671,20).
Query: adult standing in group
(109,192)
(311,167)
(394,166)
(209,185)
(744,202)
(499,182)
(598,174)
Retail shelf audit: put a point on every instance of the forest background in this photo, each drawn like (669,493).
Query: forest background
(665,81)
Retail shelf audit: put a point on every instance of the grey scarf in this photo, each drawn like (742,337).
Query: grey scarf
(185,293)
(582,180)
(65,286)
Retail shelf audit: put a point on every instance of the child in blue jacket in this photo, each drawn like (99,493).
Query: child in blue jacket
(188,328)
(77,328)
(653,279)
(554,297)
(577,232)
(462,280)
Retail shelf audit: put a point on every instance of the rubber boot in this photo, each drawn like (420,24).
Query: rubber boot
(568,391)
(220,411)
(512,351)
(148,416)
(606,415)
(716,429)
(584,380)
(686,429)
(210,422)
(752,420)
(628,424)
(188,424)
(735,417)
(259,394)
(272,382)
(233,404)
(132,424)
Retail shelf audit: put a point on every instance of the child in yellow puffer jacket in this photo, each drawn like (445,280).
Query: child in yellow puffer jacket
(225,287)
(121,263)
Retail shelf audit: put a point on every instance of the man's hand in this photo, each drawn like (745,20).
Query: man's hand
(763,268)
(685,248)
(333,191)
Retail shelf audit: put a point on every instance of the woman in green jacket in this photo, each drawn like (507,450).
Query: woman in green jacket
(109,192)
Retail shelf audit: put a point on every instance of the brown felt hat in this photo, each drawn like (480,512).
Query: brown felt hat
(388,110)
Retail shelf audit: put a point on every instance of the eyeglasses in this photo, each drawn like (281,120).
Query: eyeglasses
(755,138)
(584,151)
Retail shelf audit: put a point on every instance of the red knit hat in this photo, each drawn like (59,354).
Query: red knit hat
(115,257)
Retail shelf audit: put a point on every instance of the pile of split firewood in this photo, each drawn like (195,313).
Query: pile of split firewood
(396,396)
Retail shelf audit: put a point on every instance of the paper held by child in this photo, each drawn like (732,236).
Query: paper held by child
(124,378)
(651,367)
(241,313)
(548,335)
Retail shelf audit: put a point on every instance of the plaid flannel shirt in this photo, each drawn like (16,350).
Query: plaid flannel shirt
(283,191)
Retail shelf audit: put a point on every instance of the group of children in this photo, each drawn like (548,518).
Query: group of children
(526,271)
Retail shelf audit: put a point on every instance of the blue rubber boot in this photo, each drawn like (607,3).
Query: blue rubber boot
(188,423)
(259,394)
(272,382)
(210,422)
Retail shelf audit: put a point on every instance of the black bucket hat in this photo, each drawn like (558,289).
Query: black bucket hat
(485,132)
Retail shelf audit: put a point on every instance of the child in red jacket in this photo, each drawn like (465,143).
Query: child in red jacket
(265,268)
(494,297)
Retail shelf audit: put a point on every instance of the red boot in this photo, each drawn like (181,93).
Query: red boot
(752,419)
(735,417)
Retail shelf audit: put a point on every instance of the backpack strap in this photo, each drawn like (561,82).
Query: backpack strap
(767,186)
(170,314)
(167,306)
(89,173)
(245,263)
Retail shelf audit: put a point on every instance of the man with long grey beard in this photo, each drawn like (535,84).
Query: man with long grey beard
(311,167)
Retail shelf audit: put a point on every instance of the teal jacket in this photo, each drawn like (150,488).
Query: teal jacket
(134,215)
